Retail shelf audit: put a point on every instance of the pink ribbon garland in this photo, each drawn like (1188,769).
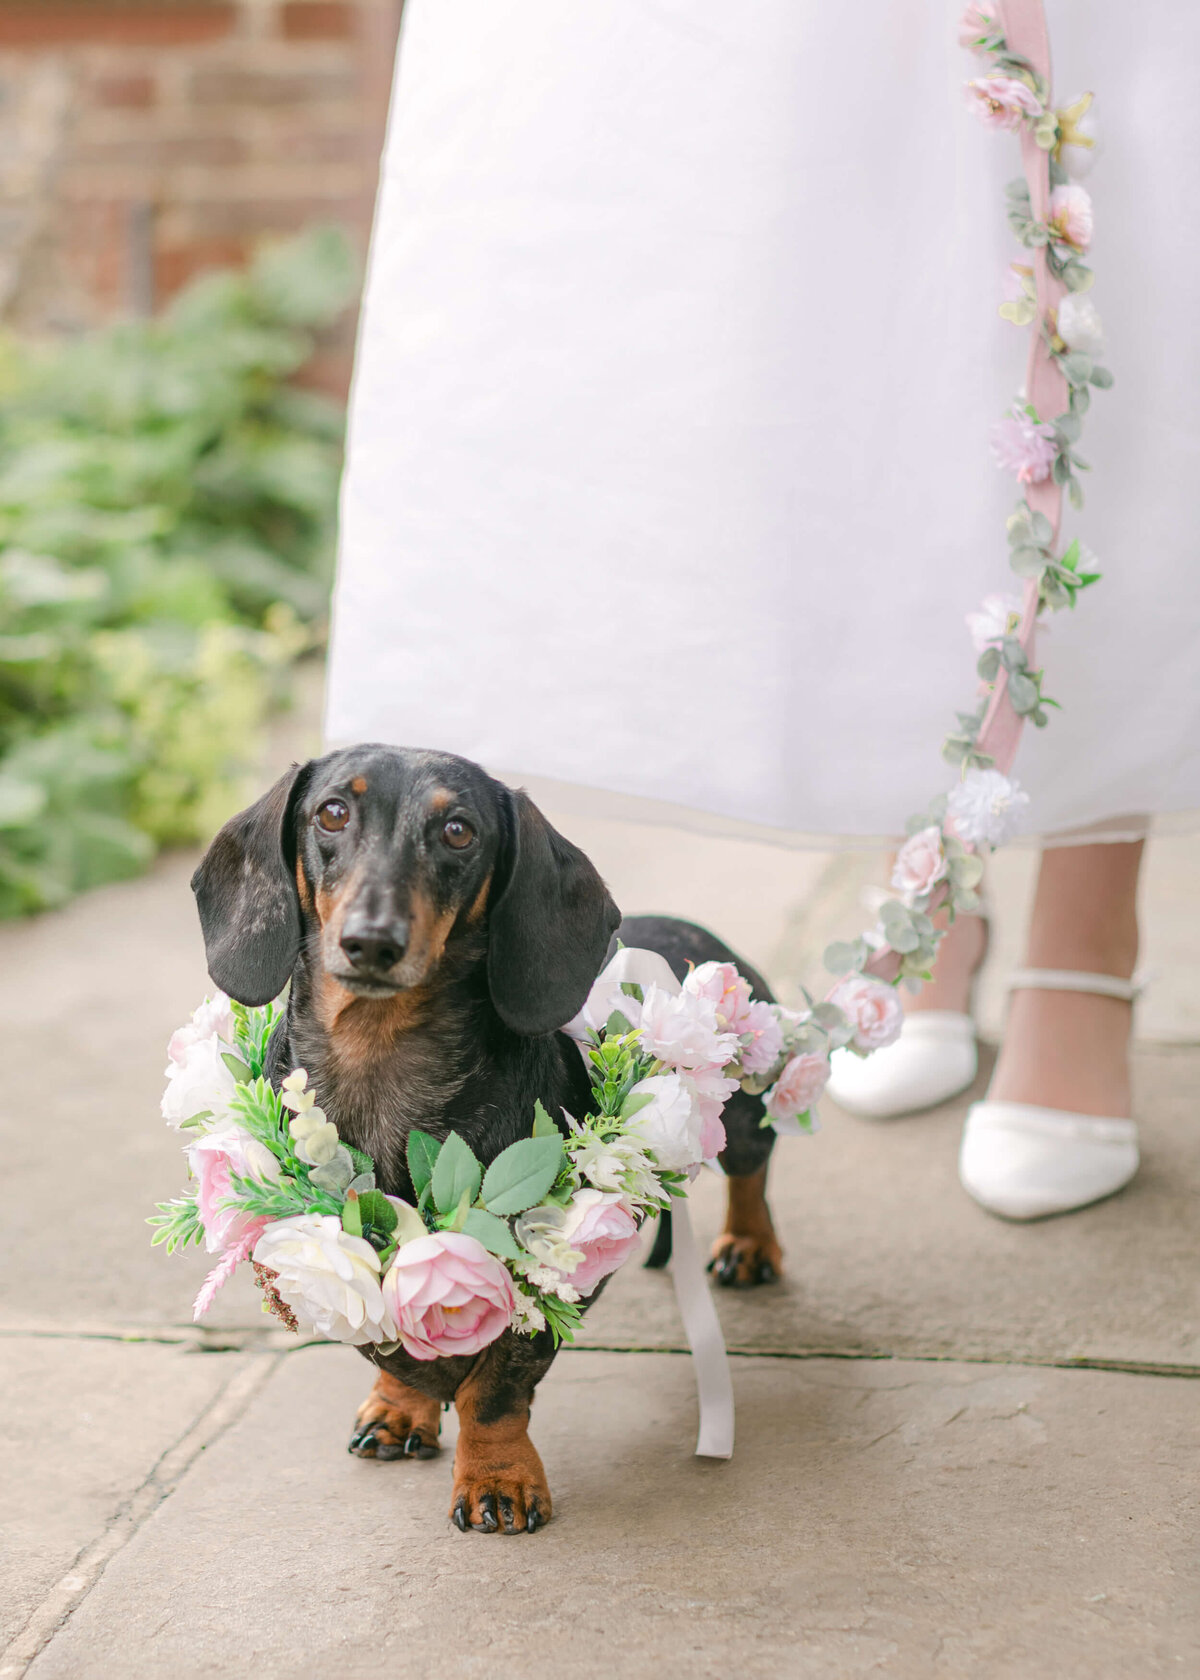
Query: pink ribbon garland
(1046,389)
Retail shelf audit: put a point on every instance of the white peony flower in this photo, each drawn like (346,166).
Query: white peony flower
(213,1019)
(328,1278)
(990,624)
(986,808)
(1079,324)
(670,1125)
(542,1231)
(683,1030)
(198,1082)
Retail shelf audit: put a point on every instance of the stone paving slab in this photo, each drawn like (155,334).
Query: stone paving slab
(898,1519)
(885,1253)
(82,1425)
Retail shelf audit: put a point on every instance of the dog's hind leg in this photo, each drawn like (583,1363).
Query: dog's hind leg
(747,1252)
(395,1421)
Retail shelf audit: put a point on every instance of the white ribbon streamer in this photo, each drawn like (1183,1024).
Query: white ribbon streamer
(714,1385)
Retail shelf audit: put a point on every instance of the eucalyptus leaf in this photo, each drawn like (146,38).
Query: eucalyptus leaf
(1078,367)
(351,1218)
(1075,494)
(842,957)
(1027,562)
(1101,378)
(1023,693)
(456,1172)
(522,1174)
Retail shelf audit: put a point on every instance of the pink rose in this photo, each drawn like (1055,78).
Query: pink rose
(447,1295)
(212,1158)
(798,1087)
(603,1230)
(1024,446)
(1002,101)
(920,864)
(872,1009)
(1070,218)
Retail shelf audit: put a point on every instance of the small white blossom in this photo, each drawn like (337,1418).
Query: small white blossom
(1079,324)
(619,1165)
(986,808)
(528,1318)
(991,623)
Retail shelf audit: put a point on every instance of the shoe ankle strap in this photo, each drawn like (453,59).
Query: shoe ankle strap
(1067,980)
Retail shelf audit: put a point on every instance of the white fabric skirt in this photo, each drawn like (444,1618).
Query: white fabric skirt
(669,479)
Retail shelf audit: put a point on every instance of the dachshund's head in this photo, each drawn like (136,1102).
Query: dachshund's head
(386,863)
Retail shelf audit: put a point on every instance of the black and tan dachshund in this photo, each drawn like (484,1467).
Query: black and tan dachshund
(437,933)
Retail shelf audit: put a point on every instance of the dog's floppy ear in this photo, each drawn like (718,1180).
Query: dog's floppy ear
(247,897)
(549,928)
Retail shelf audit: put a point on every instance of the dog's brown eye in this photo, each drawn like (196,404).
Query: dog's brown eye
(458,834)
(333,815)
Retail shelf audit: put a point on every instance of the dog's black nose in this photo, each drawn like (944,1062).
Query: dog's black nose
(374,945)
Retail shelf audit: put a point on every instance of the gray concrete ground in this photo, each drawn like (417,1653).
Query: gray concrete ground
(923,1483)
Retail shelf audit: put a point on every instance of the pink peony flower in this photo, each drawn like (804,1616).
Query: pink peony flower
(920,864)
(448,1295)
(604,1232)
(1024,446)
(1070,218)
(1002,101)
(213,1019)
(683,1030)
(990,624)
(798,1087)
(977,23)
(729,993)
(872,1009)
(212,1158)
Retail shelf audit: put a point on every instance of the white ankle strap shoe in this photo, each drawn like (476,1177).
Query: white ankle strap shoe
(933,1059)
(1025,1162)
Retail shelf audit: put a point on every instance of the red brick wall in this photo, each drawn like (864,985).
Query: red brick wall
(142,141)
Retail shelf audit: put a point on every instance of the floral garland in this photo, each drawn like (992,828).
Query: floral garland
(940,865)
(521,1243)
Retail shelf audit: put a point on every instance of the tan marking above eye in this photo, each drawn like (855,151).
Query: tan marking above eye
(358,785)
(458,834)
(333,815)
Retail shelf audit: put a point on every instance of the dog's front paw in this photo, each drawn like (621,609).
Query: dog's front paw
(395,1421)
(501,1498)
(743,1262)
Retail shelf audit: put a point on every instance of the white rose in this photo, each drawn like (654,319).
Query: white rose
(670,1124)
(198,1082)
(329,1279)
(683,1030)
(1079,324)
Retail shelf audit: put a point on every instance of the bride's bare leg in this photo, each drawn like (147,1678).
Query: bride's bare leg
(1064,1049)
(960,955)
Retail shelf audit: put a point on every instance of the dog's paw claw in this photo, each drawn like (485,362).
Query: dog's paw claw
(745,1262)
(459,1514)
(507,1502)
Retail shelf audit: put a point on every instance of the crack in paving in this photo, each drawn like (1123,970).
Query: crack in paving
(197,1339)
(65,1597)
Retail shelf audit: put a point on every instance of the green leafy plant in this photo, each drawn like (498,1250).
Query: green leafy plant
(167,517)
